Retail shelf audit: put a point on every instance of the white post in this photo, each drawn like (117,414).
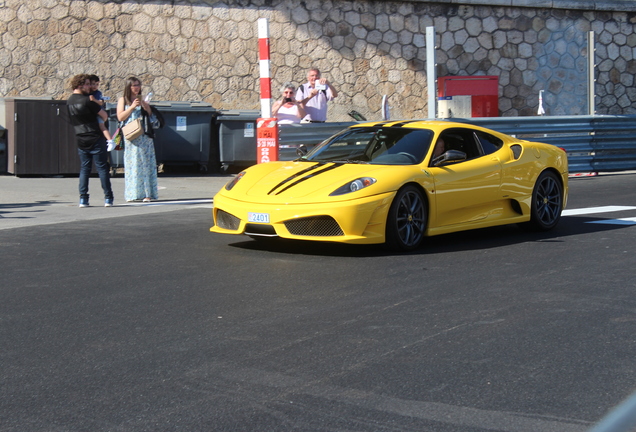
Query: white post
(431,79)
(591,105)
(385,108)
(540,111)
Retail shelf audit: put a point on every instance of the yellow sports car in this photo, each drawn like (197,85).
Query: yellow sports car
(397,182)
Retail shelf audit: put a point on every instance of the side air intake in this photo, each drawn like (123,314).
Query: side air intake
(227,221)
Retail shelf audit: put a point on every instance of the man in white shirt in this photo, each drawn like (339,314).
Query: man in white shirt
(314,96)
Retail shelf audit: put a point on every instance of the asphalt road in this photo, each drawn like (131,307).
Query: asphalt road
(147,322)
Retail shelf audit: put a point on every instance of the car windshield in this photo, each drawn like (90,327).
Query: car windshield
(374,145)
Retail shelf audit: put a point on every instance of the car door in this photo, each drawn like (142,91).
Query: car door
(467,191)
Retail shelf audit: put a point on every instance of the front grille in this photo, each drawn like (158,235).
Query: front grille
(315,226)
(227,221)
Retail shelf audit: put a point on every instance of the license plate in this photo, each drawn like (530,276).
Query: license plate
(258,217)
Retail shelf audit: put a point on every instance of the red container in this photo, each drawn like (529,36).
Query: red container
(484,92)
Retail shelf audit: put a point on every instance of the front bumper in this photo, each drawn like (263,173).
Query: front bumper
(357,221)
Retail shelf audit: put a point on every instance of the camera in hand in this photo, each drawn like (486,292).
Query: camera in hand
(321,87)
(287,100)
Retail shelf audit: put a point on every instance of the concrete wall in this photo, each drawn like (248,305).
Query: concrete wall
(207,50)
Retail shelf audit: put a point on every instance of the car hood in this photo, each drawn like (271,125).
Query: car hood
(313,182)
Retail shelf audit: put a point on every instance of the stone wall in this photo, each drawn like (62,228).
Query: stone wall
(207,51)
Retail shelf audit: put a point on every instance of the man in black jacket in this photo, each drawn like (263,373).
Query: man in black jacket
(91,143)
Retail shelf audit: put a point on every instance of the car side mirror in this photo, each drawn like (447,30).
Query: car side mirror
(301,150)
(450,156)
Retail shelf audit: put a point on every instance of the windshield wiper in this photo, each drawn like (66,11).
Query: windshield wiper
(352,161)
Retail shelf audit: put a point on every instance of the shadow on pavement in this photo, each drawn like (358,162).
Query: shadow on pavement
(7,210)
(485,238)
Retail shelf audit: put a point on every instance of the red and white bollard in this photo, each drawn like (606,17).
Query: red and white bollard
(266,126)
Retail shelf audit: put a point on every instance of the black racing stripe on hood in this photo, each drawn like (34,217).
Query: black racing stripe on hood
(299,173)
(392,124)
(401,124)
(314,174)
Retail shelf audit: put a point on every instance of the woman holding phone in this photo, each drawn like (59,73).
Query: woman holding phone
(287,109)
(140,163)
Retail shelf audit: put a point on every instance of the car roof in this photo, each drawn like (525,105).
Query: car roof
(417,124)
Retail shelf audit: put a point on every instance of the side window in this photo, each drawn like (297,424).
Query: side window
(489,143)
(462,140)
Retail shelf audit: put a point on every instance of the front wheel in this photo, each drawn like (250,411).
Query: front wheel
(547,202)
(406,222)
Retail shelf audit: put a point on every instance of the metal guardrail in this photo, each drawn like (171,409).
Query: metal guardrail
(292,136)
(593,143)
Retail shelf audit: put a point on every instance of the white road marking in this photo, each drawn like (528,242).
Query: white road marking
(623,221)
(596,210)
(159,203)
(604,209)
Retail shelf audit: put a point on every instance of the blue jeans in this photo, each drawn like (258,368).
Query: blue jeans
(99,155)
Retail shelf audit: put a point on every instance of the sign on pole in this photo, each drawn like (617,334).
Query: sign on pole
(266,140)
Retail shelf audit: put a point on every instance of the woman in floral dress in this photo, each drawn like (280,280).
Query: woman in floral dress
(140,163)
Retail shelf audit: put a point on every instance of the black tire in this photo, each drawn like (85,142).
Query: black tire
(407,219)
(547,202)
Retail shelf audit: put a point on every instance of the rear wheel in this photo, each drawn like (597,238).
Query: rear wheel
(407,220)
(547,202)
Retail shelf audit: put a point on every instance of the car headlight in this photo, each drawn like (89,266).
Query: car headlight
(353,186)
(234,181)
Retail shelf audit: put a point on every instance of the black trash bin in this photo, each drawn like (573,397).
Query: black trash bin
(3,150)
(116,156)
(185,138)
(237,137)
